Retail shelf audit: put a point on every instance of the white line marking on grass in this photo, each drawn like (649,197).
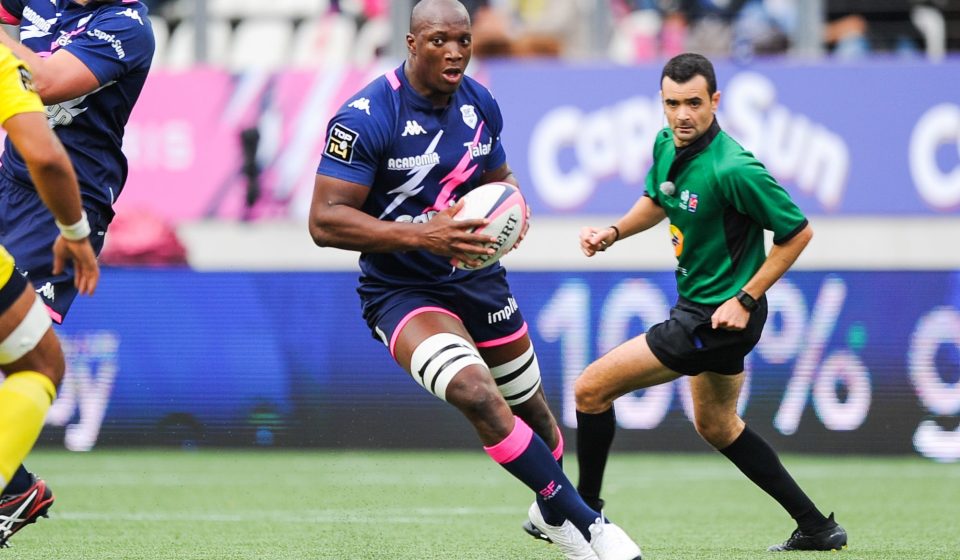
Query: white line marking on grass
(389,516)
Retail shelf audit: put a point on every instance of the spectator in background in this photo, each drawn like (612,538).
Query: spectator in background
(553,28)
(647,29)
(856,28)
(532,28)
(154,6)
(492,34)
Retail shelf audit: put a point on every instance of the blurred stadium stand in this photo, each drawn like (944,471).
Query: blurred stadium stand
(237,34)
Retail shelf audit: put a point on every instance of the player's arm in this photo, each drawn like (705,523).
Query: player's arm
(59,77)
(336,220)
(502,174)
(644,214)
(56,184)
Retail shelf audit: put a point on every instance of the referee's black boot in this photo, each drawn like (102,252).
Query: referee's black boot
(832,537)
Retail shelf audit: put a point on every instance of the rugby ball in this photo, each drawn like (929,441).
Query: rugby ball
(503,205)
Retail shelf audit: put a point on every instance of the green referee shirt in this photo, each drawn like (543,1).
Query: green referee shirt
(722,200)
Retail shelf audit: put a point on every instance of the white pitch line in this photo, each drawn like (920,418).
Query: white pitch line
(394,516)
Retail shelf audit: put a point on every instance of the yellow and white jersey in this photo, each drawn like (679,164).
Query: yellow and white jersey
(17,94)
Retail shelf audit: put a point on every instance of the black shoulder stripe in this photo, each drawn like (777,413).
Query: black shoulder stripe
(792,234)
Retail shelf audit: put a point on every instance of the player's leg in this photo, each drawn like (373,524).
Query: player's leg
(28,232)
(516,371)
(33,364)
(435,348)
(715,409)
(628,367)
(440,355)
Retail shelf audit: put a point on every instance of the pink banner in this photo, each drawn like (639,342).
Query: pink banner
(184,148)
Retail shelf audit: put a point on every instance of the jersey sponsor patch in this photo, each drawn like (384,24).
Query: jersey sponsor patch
(689,201)
(340,143)
(676,239)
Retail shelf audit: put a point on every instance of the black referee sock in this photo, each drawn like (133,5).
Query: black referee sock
(594,437)
(756,459)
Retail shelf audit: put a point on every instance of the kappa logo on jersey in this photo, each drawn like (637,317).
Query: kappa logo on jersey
(47,291)
(340,143)
(130,13)
(362,104)
(469,114)
(413,128)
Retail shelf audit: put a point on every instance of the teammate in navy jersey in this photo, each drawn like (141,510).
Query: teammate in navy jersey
(89,59)
(399,156)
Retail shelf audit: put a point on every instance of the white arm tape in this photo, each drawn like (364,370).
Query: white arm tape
(77,231)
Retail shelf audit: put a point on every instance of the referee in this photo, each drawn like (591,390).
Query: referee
(719,199)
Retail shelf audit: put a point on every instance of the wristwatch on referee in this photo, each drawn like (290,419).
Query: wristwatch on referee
(747,301)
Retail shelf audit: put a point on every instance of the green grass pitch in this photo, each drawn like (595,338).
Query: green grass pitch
(271,505)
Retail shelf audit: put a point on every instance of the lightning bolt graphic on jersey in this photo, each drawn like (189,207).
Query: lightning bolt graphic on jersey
(63,114)
(458,175)
(412,186)
(34,31)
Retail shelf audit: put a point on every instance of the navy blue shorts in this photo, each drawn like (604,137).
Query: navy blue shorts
(28,230)
(688,344)
(15,285)
(483,303)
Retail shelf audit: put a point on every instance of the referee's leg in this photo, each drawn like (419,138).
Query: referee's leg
(715,408)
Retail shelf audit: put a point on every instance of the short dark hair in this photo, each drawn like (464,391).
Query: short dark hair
(683,67)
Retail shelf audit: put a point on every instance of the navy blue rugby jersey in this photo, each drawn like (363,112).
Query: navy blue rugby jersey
(115,41)
(416,159)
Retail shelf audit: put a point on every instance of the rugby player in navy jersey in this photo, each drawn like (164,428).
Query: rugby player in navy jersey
(399,156)
(89,60)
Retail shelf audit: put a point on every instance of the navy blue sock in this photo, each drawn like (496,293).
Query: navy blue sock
(19,482)
(550,515)
(528,458)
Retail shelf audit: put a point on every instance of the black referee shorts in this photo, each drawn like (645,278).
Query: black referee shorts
(688,344)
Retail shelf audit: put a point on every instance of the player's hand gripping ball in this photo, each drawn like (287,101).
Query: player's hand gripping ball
(503,205)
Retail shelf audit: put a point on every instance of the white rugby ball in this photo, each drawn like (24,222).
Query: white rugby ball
(503,205)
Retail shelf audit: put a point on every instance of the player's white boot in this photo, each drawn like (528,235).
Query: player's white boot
(610,542)
(567,537)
